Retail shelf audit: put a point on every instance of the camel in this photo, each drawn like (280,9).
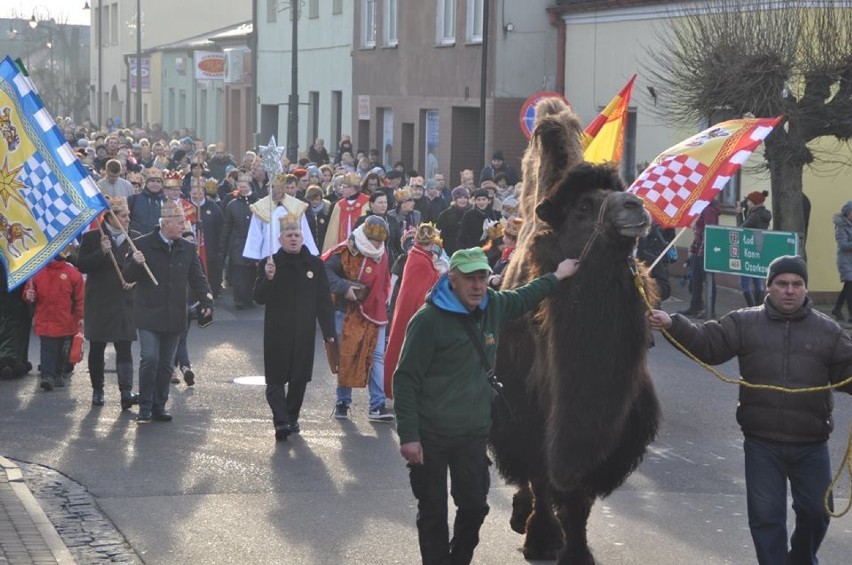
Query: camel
(578,408)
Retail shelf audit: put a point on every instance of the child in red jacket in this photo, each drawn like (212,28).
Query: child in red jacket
(57,293)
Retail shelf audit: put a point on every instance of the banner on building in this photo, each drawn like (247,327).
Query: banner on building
(46,195)
(209,65)
(146,73)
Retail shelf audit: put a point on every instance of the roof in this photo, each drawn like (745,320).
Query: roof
(205,40)
(574,6)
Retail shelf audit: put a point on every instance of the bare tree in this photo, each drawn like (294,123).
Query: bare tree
(766,59)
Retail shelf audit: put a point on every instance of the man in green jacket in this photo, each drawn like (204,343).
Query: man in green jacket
(443,395)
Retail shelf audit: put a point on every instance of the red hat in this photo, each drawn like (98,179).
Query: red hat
(757,197)
(300,172)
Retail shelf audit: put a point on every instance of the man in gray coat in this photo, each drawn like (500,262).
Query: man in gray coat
(786,343)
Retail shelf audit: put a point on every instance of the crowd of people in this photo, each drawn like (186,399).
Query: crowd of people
(402,275)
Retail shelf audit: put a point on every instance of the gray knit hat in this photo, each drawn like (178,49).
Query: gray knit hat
(787,264)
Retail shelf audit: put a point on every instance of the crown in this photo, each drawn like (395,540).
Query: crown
(426,234)
(290,222)
(173,178)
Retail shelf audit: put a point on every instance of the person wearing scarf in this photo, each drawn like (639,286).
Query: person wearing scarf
(361,316)
(346,211)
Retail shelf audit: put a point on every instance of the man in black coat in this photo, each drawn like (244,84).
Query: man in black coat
(108,312)
(209,220)
(160,310)
(294,288)
(241,271)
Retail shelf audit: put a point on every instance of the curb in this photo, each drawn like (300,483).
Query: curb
(45,527)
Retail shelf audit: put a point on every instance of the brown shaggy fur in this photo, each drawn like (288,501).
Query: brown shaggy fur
(581,404)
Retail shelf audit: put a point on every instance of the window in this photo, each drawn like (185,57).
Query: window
(446,22)
(390,21)
(474,21)
(337,6)
(368,29)
(313,11)
(271,11)
(113,25)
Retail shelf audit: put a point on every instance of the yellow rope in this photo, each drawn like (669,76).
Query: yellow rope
(847,458)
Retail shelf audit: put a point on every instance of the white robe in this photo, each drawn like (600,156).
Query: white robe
(257,241)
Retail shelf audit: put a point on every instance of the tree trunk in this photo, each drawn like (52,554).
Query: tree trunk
(787,208)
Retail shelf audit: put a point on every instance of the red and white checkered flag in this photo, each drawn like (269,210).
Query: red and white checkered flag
(683,179)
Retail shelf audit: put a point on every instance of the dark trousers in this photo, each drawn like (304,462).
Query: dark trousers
(768,466)
(242,278)
(285,399)
(696,304)
(96,360)
(214,266)
(156,357)
(54,354)
(468,464)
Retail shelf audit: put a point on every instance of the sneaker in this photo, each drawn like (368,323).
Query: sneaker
(98,397)
(380,414)
(188,376)
(341,411)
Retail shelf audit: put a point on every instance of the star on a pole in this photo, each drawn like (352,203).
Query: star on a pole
(271,157)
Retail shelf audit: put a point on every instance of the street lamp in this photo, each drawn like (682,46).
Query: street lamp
(33,21)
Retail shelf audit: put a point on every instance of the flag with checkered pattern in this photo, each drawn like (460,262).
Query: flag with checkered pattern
(46,195)
(685,178)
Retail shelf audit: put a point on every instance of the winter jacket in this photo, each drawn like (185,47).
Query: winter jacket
(235,229)
(470,229)
(843,235)
(109,308)
(802,349)
(709,217)
(758,218)
(449,224)
(58,299)
(440,386)
(145,210)
(162,307)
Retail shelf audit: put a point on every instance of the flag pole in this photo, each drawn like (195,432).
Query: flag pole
(112,256)
(666,250)
(133,246)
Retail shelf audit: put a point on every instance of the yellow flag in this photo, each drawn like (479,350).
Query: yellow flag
(603,139)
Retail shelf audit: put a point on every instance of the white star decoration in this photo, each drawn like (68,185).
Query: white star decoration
(271,157)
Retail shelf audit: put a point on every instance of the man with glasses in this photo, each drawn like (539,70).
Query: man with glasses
(783,342)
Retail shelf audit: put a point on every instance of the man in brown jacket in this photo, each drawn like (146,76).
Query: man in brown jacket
(785,343)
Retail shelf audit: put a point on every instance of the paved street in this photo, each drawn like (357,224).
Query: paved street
(214,487)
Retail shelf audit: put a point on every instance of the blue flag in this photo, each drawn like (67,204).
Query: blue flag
(46,195)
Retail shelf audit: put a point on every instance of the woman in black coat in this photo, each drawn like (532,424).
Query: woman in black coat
(108,312)
(294,288)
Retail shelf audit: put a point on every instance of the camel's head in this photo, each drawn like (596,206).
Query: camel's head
(573,208)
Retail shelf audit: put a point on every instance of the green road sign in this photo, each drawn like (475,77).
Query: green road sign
(745,252)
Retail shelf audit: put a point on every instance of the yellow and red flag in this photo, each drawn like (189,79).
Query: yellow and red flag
(685,178)
(603,139)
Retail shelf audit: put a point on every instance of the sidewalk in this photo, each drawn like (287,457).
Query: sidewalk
(26,534)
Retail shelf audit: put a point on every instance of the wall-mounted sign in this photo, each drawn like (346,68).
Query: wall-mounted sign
(209,65)
(146,73)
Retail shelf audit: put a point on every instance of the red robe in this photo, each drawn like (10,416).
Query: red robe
(418,277)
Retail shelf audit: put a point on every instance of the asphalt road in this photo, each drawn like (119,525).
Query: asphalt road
(214,487)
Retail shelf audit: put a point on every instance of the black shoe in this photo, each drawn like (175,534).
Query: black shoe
(188,376)
(6,373)
(46,384)
(98,397)
(161,417)
(128,399)
(281,432)
(175,379)
(293,427)
(143,418)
